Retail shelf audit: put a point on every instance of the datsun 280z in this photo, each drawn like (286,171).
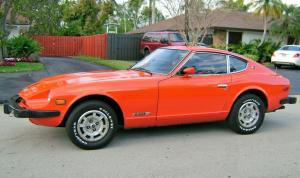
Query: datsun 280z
(172,85)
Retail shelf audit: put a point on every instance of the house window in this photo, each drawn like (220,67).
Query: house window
(235,37)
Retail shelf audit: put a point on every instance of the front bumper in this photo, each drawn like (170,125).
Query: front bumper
(12,107)
(289,100)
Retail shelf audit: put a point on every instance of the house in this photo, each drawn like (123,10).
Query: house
(16,25)
(227,27)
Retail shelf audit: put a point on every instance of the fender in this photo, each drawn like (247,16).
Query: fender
(244,90)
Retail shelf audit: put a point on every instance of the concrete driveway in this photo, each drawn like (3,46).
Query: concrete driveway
(10,84)
(203,150)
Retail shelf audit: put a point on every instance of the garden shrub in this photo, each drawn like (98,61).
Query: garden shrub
(22,46)
(252,50)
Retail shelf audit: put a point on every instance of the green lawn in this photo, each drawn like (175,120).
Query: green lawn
(115,64)
(22,67)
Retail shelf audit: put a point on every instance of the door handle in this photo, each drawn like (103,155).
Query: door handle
(222,85)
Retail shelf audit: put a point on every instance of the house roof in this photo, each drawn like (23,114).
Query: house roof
(220,19)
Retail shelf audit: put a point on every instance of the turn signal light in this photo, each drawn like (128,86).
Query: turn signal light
(60,101)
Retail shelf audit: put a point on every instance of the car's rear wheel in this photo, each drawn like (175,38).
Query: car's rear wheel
(277,66)
(247,114)
(91,125)
(146,52)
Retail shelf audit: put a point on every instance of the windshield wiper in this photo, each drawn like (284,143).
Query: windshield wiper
(142,69)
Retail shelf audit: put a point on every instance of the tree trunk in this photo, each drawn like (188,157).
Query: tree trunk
(265,31)
(3,33)
(153,12)
(150,12)
(186,19)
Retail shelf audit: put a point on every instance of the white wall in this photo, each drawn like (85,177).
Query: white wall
(251,35)
(15,30)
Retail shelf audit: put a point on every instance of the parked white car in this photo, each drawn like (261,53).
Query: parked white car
(287,55)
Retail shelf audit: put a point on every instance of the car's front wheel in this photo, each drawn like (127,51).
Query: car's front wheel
(91,125)
(247,114)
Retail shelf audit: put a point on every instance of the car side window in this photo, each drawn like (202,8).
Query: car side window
(208,63)
(147,37)
(237,64)
(165,37)
(156,37)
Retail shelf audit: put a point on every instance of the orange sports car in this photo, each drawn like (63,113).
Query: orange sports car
(172,85)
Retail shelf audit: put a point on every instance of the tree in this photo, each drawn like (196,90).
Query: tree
(268,9)
(44,16)
(5,6)
(134,6)
(174,8)
(289,23)
(200,18)
(86,16)
(146,12)
(239,5)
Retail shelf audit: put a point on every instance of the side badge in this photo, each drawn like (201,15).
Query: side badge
(138,114)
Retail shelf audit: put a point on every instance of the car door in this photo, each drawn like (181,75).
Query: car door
(199,97)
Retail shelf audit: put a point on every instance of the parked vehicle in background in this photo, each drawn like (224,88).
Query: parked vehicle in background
(287,55)
(153,40)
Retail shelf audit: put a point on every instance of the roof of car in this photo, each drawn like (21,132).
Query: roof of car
(204,49)
(197,49)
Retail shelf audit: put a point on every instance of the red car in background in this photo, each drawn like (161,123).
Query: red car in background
(153,40)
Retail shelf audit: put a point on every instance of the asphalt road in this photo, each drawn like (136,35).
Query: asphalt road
(202,150)
(11,84)
(293,74)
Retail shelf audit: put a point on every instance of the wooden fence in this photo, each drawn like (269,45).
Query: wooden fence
(111,46)
(95,46)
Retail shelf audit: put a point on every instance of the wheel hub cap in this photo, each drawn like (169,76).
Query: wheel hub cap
(248,114)
(93,125)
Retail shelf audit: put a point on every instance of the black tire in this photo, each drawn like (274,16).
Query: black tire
(84,113)
(277,66)
(146,52)
(238,114)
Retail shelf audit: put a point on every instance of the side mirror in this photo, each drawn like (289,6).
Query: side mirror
(189,71)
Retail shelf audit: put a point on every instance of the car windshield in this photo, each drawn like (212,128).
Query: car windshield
(176,37)
(290,48)
(161,61)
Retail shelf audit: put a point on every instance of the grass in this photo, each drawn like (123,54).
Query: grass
(115,64)
(22,67)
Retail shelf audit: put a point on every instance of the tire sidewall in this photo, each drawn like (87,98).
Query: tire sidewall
(78,112)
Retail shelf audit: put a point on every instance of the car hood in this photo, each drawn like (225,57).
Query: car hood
(46,84)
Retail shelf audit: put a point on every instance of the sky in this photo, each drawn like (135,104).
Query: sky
(295,2)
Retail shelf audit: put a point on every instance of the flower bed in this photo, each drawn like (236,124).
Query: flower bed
(8,62)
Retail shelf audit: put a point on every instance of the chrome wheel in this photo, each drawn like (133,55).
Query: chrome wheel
(248,114)
(93,125)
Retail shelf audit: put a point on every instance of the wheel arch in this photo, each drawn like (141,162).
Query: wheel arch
(256,91)
(146,48)
(103,98)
